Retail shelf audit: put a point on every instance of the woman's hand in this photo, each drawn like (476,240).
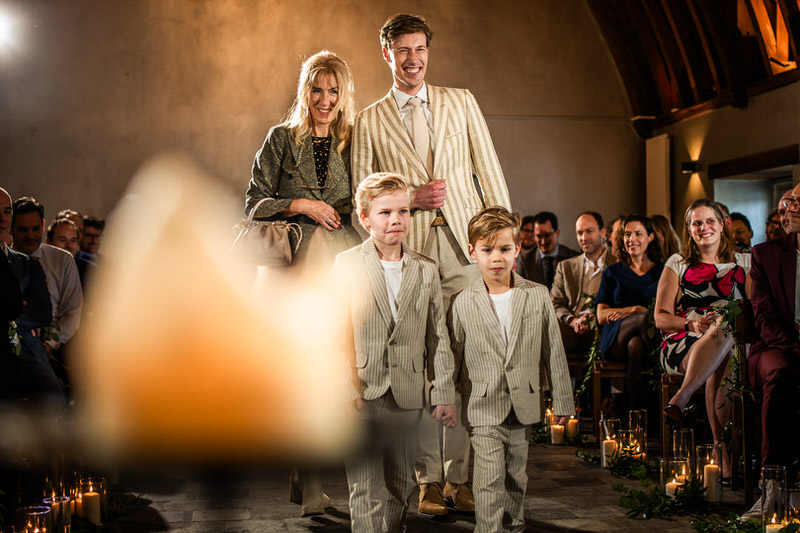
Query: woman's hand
(322,213)
(702,324)
(624,312)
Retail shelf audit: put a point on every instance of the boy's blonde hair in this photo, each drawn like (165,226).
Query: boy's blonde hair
(377,184)
(489,221)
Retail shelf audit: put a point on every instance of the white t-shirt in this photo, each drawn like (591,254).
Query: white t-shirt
(393,274)
(502,307)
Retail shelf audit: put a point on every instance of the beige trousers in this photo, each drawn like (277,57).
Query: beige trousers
(501,456)
(443,453)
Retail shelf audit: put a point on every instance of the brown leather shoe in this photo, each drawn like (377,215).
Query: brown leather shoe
(431,502)
(459,498)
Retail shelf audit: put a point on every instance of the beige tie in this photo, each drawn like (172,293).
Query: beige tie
(420,135)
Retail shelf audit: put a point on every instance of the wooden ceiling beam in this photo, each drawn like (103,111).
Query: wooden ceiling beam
(681,46)
(727,44)
(790,9)
(701,32)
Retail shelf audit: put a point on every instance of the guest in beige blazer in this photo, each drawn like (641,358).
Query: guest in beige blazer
(302,172)
(394,302)
(577,279)
(435,137)
(504,336)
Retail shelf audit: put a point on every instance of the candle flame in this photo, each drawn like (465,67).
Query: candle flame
(675,480)
(571,417)
(683,470)
(712,461)
(91,489)
(774,518)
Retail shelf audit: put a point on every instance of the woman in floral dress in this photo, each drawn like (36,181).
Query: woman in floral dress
(705,275)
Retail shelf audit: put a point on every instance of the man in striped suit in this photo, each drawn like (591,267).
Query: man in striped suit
(395,306)
(504,334)
(435,137)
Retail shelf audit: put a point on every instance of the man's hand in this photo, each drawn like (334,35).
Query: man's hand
(446,414)
(430,196)
(579,324)
(560,420)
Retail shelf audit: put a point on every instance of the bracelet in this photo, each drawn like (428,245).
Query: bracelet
(686,325)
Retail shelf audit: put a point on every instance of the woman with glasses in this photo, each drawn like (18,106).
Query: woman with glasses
(704,275)
(627,289)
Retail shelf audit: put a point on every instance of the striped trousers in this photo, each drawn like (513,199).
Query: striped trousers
(380,474)
(499,478)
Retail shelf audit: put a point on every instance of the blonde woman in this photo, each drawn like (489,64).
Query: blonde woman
(303,168)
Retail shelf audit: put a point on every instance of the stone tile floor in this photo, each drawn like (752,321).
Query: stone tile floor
(564,494)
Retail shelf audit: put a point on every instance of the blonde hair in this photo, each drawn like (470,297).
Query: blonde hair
(299,120)
(726,252)
(377,184)
(491,220)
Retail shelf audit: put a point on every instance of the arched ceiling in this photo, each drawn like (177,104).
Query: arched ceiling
(678,58)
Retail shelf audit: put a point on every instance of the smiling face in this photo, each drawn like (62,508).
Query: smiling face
(704,227)
(408,59)
(322,100)
(636,239)
(65,237)
(388,219)
(496,257)
(6,212)
(590,234)
(546,237)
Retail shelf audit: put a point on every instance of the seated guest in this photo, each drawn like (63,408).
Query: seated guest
(707,273)
(666,235)
(88,257)
(773,365)
(612,231)
(626,290)
(63,233)
(578,277)
(774,228)
(741,231)
(540,265)
(36,378)
(63,282)
(526,240)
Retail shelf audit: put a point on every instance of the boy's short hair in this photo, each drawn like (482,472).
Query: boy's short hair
(487,222)
(374,185)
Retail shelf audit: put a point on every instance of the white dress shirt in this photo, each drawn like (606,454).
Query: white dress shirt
(64,285)
(402,99)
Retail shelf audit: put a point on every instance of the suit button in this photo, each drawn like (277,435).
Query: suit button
(392,342)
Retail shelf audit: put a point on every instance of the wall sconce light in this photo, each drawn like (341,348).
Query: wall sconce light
(690,167)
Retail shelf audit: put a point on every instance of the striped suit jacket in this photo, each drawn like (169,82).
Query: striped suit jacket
(461,143)
(393,354)
(493,376)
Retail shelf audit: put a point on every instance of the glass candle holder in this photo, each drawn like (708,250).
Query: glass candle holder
(94,500)
(683,443)
(609,439)
(637,422)
(60,514)
(629,444)
(33,519)
(793,507)
(548,411)
(709,470)
(674,473)
(774,496)
(557,434)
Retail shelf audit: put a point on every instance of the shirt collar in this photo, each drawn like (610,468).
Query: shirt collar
(401,98)
(543,255)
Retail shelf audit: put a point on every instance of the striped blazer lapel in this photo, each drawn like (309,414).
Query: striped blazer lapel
(398,134)
(518,300)
(377,281)
(304,159)
(439,112)
(409,286)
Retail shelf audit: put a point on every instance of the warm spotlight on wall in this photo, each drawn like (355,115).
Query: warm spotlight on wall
(7,28)
(690,167)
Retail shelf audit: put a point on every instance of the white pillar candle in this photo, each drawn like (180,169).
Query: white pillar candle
(609,447)
(557,434)
(572,428)
(671,487)
(711,482)
(91,506)
(548,417)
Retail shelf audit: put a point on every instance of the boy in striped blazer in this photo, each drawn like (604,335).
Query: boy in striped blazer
(504,335)
(394,301)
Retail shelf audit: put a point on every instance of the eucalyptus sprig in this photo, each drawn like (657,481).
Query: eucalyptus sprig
(590,304)
(733,524)
(13,338)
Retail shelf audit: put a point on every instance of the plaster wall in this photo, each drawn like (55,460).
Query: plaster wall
(771,120)
(90,89)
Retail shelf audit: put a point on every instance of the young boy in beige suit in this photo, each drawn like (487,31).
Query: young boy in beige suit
(394,301)
(504,335)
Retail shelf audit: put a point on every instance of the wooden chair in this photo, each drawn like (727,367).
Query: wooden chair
(746,411)
(603,370)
